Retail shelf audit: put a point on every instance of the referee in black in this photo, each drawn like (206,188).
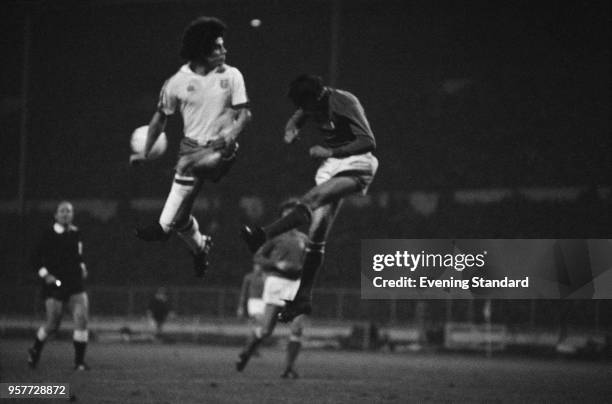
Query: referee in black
(59,262)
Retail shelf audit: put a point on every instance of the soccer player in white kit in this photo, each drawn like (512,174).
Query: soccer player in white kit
(212,99)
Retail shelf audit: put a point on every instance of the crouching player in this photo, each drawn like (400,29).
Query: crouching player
(281,259)
(60,265)
(347,168)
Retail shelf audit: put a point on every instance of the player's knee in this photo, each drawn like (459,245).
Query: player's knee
(52,326)
(312,200)
(80,322)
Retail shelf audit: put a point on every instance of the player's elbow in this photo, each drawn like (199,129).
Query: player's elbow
(365,144)
(372,146)
(247,115)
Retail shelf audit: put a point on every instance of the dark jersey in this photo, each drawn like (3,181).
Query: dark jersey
(344,126)
(288,247)
(60,253)
(159,308)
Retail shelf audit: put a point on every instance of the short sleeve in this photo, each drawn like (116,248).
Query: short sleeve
(239,95)
(167,100)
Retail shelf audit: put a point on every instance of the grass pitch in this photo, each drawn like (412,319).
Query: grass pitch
(149,373)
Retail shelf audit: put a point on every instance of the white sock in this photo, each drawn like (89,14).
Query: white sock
(192,236)
(41,334)
(182,189)
(80,335)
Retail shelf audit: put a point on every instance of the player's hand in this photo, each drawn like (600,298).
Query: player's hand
(240,312)
(320,152)
(291,135)
(282,265)
(218,144)
(50,279)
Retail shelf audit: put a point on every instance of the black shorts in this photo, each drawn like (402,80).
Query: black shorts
(62,294)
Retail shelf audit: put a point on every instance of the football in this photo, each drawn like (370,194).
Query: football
(139,137)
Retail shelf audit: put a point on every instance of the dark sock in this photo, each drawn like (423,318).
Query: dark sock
(38,345)
(79,352)
(298,216)
(252,346)
(313,261)
(293,349)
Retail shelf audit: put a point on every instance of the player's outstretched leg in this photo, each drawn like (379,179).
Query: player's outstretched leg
(256,236)
(328,193)
(313,261)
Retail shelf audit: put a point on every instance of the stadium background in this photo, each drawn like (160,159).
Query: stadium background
(492,121)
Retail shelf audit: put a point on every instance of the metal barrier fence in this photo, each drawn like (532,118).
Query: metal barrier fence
(332,304)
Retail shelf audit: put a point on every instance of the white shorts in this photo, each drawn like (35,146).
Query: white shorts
(255,307)
(361,166)
(277,290)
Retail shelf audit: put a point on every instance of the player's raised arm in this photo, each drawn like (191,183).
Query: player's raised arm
(241,118)
(292,129)
(156,127)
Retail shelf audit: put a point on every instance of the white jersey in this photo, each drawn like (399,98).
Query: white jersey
(202,99)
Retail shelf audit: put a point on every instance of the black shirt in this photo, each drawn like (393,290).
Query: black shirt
(61,254)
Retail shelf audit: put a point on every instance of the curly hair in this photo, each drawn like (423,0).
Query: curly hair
(199,37)
(304,87)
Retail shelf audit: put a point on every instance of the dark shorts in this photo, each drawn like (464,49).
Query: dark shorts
(62,294)
(204,162)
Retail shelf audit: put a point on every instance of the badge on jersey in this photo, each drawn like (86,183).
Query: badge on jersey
(224,83)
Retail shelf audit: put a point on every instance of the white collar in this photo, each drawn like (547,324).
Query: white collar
(219,69)
(59,229)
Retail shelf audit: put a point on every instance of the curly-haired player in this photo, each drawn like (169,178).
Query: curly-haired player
(212,99)
(347,167)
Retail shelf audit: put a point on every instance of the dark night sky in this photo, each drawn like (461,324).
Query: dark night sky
(472,94)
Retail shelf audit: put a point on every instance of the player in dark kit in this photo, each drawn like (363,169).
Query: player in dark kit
(347,167)
(60,265)
(281,259)
(212,99)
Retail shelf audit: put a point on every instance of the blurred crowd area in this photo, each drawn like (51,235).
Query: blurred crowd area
(190,304)
(116,257)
